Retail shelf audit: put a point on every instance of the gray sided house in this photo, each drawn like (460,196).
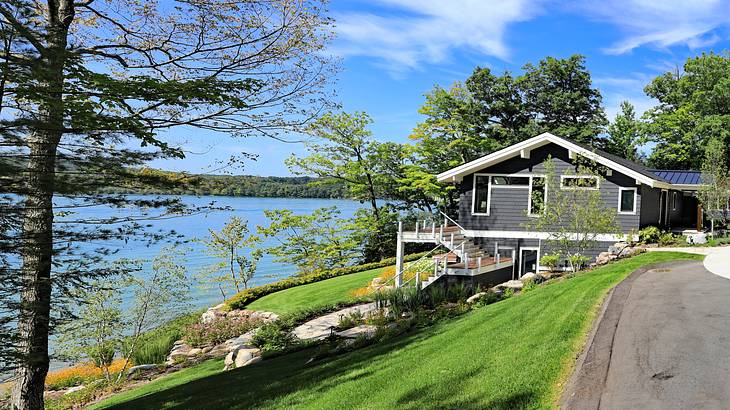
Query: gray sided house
(491,241)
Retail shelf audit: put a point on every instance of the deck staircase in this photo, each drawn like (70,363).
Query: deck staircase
(464,256)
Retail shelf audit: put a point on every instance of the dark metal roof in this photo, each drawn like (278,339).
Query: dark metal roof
(679,177)
(636,167)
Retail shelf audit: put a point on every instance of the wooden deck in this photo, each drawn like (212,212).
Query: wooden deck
(475,264)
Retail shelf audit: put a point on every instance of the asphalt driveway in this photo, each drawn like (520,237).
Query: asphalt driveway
(663,342)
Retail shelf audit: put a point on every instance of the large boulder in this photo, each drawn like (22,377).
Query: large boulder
(473,298)
(510,284)
(241,357)
(603,258)
(362,330)
(214,313)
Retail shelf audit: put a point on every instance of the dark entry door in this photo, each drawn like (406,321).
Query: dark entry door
(528,261)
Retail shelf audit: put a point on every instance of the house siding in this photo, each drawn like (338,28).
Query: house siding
(508,211)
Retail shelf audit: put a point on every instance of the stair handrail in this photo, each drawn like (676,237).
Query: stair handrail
(406,266)
(453,221)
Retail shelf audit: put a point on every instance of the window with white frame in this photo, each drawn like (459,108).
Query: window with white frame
(538,196)
(481,194)
(578,182)
(627,200)
(674,201)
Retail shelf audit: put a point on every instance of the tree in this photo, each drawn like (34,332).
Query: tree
(624,134)
(560,95)
(233,270)
(157,298)
(573,217)
(89,88)
(95,333)
(491,112)
(693,108)
(314,242)
(343,151)
(714,193)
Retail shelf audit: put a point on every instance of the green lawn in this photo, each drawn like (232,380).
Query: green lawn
(326,292)
(512,354)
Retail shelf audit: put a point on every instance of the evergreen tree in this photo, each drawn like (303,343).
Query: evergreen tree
(624,134)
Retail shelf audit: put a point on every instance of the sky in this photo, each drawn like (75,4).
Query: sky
(394,51)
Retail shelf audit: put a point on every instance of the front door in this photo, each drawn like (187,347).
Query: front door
(528,260)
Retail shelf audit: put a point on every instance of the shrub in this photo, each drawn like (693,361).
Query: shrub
(488,298)
(529,286)
(551,261)
(508,293)
(154,350)
(458,292)
(352,319)
(667,239)
(577,261)
(273,337)
(79,374)
(240,300)
(437,295)
(650,234)
(218,331)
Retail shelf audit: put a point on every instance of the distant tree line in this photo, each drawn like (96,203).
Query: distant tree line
(232,185)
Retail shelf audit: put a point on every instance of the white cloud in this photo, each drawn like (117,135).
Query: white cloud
(661,23)
(408,33)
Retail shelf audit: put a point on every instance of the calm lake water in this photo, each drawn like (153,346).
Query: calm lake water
(197,226)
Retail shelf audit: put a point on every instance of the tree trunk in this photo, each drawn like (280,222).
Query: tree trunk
(37,241)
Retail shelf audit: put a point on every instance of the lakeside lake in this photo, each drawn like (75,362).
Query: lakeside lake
(197,226)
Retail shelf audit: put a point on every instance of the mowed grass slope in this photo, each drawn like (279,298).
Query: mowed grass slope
(326,292)
(512,354)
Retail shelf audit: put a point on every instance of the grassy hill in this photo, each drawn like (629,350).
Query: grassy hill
(327,292)
(513,354)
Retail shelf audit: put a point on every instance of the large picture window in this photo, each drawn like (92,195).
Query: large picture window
(627,200)
(481,194)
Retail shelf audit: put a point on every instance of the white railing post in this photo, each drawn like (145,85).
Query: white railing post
(417,223)
(496,251)
(466,261)
(479,263)
(446,262)
(399,257)
(436,268)
(451,246)
(441,233)
(433,229)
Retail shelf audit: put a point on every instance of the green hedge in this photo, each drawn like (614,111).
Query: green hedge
(241,299)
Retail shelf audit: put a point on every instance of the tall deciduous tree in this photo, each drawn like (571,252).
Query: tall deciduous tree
(560,95)
(624,134)
(694,108)
(88,88)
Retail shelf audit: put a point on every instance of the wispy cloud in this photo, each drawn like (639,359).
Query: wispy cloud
(407,33)
(661,23)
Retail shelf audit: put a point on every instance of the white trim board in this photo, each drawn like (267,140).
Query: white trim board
(456,174)
(537,235)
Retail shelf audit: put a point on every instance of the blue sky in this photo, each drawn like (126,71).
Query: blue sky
(395,51)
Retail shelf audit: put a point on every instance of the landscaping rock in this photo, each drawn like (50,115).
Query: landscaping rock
(194,352)
(241,357)
(511,284)
(213,313)
(603,258)
(219,351)
(475,297)
(207,349)
(321,327)
(529,277)
(74,389)
(141,368)
(357,331)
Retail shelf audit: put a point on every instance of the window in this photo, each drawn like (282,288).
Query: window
(502,181)
(578,182)
(627,200)
(537,196)
(481,194)
(674,201)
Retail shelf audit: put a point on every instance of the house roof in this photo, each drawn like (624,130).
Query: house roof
(622,165)
(678,177)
